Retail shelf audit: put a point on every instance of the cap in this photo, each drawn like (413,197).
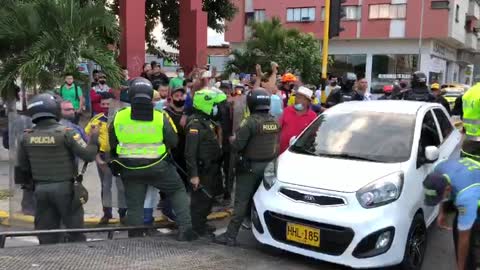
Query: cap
(435,86)
(176,89)
(435,185)
(302,90)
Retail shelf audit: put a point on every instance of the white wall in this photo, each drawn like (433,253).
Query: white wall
(457,29)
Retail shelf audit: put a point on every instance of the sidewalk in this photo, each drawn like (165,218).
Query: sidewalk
(93,208)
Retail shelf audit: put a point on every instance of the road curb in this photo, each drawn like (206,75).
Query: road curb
(5,218)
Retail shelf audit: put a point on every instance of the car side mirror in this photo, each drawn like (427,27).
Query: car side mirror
(292,140)
(431,154)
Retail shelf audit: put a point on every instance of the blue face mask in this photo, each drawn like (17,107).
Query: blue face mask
(298,107)
(215,111)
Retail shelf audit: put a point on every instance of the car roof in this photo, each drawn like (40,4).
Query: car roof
(383,106)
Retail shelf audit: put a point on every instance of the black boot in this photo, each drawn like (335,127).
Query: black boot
(107,215)
(226,240)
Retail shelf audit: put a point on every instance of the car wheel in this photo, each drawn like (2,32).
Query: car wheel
(416,245)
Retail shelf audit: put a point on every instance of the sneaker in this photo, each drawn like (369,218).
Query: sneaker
(187,236)
(226,240)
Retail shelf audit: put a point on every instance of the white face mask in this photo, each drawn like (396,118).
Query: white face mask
(181,75)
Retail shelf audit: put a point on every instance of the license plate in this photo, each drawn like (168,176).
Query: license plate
(303,234)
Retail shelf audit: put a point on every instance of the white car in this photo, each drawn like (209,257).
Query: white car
(349,189)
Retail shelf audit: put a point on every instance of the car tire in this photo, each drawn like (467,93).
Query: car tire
(416,245)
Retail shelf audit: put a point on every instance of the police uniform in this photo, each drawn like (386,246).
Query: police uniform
(419,91)
(471,122)
(48,152)
(139,139)
(203,155)
(257,144)
(346,93)
(464,178)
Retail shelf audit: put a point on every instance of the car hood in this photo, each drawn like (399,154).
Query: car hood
(343,175)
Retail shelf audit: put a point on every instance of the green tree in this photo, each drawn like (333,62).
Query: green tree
(293,50)
(40,40)
(168,13)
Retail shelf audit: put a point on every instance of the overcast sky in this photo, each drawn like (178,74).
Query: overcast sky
(214,38)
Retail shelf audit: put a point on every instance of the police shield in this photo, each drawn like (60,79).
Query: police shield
(20,206)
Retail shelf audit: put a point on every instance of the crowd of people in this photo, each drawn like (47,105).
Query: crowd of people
(157,139)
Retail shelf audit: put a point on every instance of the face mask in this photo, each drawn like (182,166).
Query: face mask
(333,83)
(188,90)
(178,103)
(102,81)
(298,107)
(215,111)
(181,75)
(69,117)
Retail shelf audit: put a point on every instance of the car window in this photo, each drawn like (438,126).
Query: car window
(362,135)
(445,125)
(429,135)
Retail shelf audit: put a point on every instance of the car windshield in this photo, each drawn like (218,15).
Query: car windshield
(360,135)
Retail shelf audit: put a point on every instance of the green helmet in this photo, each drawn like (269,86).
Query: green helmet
(205,100)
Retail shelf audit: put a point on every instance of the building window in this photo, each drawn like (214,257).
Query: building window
(457,13)
(259,15)
(440,4)
(387,11)
(386,69)
(352,13)
(342,64)
(301,14)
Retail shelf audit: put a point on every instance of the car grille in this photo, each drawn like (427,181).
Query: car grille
(315,199)
(334,240)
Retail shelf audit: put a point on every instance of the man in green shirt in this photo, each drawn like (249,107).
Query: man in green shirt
(73,93)
(177,81)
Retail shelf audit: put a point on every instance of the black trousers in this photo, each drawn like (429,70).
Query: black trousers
(472,260)
(201,204)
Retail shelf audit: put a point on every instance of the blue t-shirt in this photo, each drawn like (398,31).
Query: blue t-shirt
(464,175)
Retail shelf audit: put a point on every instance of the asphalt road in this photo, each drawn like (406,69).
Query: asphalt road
(439,256)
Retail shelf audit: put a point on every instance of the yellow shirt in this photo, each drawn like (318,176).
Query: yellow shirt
(101,121)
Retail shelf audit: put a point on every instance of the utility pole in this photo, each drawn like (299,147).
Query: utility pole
(420,39)
(331,28)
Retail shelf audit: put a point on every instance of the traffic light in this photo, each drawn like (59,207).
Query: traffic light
(336,14)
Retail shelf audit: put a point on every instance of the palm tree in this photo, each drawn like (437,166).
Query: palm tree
(40,40)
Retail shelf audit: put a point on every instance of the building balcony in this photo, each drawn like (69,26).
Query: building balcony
(474,9)
(471,42)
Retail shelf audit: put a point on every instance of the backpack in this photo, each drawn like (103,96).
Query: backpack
(76,91)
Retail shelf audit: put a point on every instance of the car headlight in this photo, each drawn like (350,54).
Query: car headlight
(270,175)
(381,192)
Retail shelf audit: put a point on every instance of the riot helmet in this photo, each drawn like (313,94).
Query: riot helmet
(43,106)
(419,79)
(226,86)
(140,88)
(206,101)
(258,100)
(348,80)
(140,93)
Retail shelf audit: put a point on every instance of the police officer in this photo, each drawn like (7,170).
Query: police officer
(471,122)
(46,155)
(203,155)
(139,139)
(257,143)
(419,90)
(346,93)
(459,180)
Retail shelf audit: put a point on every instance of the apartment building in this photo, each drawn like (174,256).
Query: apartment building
(384,40)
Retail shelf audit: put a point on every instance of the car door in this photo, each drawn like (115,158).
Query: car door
(430,135)
(450,137)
